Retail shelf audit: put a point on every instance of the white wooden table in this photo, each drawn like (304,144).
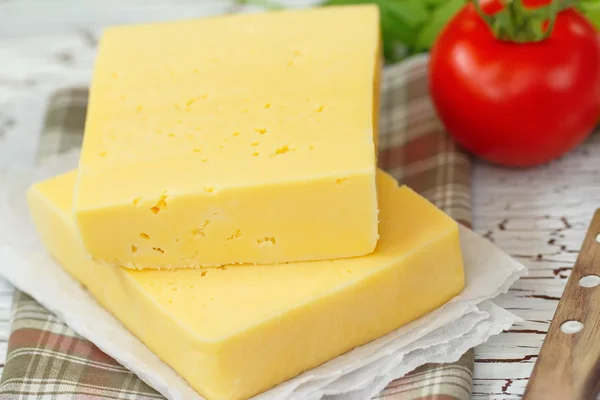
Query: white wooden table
(538,215)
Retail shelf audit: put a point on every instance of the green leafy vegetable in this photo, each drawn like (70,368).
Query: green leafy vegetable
(440,13)
(409,26)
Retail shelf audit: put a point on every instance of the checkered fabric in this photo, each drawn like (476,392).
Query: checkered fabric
(47,360)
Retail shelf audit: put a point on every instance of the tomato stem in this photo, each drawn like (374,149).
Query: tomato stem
(520,24)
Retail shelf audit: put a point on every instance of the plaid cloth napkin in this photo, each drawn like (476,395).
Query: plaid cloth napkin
(47,360)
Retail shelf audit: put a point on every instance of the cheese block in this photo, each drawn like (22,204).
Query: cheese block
(237,139)
(236,331)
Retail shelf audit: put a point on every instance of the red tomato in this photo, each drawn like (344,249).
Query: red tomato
(516,104)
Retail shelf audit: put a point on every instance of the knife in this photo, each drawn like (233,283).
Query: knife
(568,366)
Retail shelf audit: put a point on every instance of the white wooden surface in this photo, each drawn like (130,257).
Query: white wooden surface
(538,215)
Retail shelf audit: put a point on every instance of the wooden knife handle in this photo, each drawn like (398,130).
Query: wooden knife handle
(568,367)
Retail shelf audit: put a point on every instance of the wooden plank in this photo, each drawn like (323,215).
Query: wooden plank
(524,213)
(568,366)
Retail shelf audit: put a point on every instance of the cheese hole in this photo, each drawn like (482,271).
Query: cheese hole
(177,240)
(266,241)
(175,289)
(139,108)
(290,63)
(212,299)
(205,160)
(160,205)
(236,235)
(102,154)
(268,105)
(311,147)
(134,249)
(209,189)
(171,134)
(261,131)
(158,249)
(282,150)
(198,232)
(179,121)
(136,201)
(197,150)
(203,273)
(144,235)
(254,144)
(255,154)
(198,128)
(170,301)
(162,202)
(191,101)
(340,181)
(320,109)
(236,134)
(220,146)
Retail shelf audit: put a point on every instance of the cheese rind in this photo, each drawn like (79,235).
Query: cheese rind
(208,152)
(237,331)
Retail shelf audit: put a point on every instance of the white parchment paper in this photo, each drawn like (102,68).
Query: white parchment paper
(441,336)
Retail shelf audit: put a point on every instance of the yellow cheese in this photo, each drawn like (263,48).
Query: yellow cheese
(236,331)
(237,139)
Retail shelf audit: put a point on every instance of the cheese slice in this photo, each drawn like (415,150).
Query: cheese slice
(236,331)
(236,139)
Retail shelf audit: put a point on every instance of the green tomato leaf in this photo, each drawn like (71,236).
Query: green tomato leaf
(591,9)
